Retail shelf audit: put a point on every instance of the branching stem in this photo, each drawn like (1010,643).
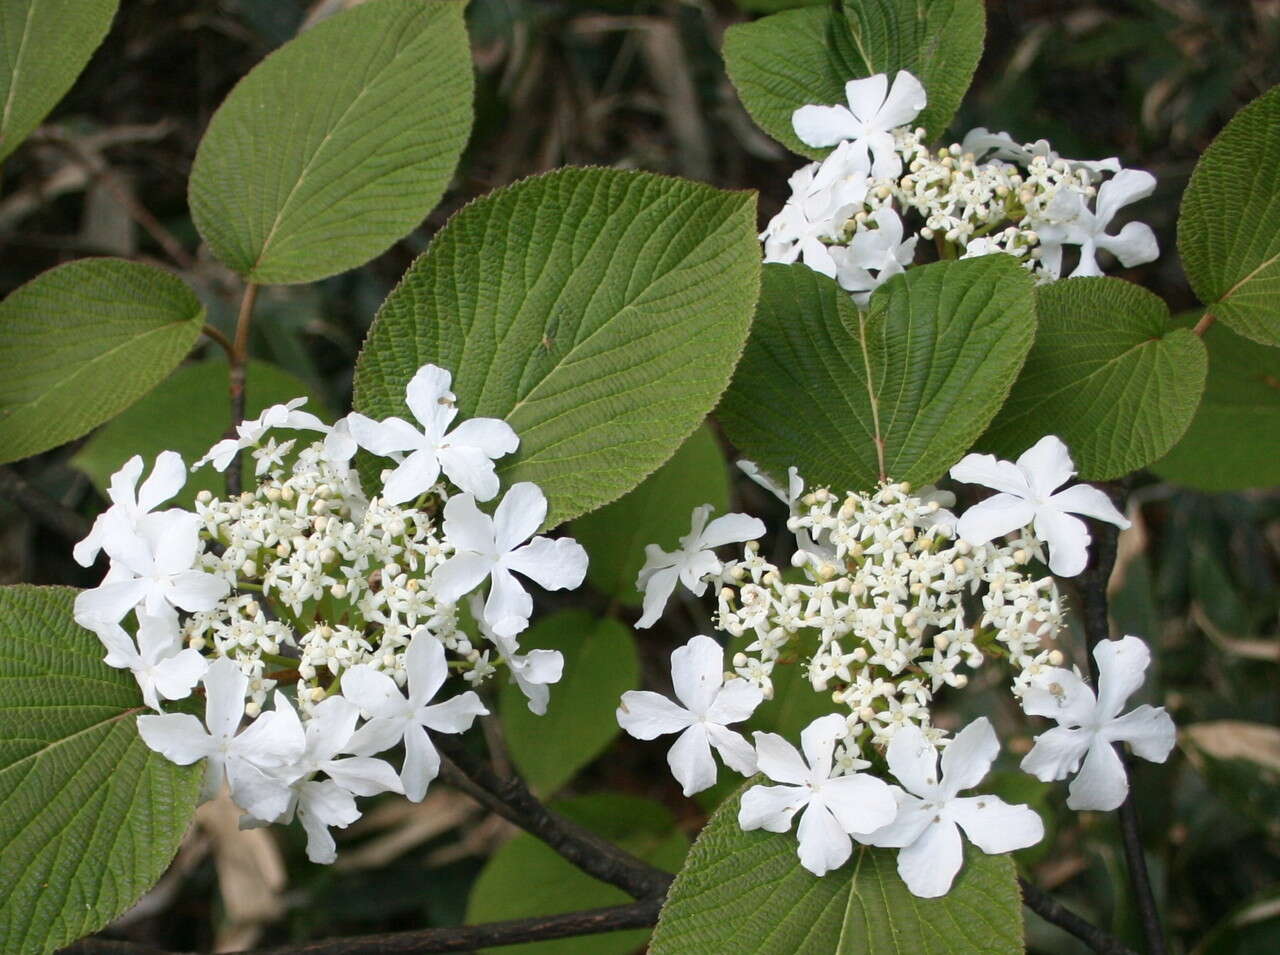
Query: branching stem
(238,364)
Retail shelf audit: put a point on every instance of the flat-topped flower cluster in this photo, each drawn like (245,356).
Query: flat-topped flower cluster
(354,599)
(858,215)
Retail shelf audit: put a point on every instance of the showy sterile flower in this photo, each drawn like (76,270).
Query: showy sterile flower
(693,562)
(881,249)
(246,760)
(1089,725)
(494,547)
(931,812)
(875,108)
(1133,245)
(532,672)
(163,669)
(249,433)
(130,503)
(981,142)
(809,216)
(834,807)
(710,704)
(1027,498)
(393,718)
(465,454)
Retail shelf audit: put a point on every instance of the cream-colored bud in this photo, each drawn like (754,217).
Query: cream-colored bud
(249,568)
(252,709)
(739,660)
(1021,556)
(317,693)
(960,565)
(339,591)
(1055,658)
(205,496)
(961,681)
(963,547)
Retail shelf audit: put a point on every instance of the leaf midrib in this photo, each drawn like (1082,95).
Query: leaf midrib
(17,70)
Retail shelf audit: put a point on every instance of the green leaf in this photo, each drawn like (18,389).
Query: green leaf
(199,389)
(746,892)
(599,312)
(526,878)
(91,817)
(1229,224)
(337,144)
(656,512)
(600,664)
(44,44)
(1231,441)
(1109,373)
(901,391)
(798,57)
(82,342)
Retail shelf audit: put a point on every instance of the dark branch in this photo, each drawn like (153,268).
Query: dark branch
(1051,910)
(511,799)
(41,507)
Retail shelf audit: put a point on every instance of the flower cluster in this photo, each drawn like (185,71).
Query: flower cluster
(353,600)
(847,216)
(892,600)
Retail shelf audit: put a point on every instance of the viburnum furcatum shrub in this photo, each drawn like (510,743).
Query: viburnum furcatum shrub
(330,624)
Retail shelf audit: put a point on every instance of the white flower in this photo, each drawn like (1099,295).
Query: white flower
(1089,725)
(130,503)
(159,664)
(694,561)
(1132,245)
(881,249)
(931,814)
(465,454)
(271,742)
(980,141)
(249,433)
(834,806)
(710,703)
(1027,498)
(874,110)
(151,566)
(824,196)
(392,717)
(533,672)
(491,547)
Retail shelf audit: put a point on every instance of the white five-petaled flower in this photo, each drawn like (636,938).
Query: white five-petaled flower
(248,760)
(875,109)
(823,198)
(1133,245)
(834,806)
(162,668)
(1089,725)
(465,454)
(130,503)
(931,813)
(532,672)
(392,717)
(495,546)
(249,433)
(151,567)
(710,703)
(1027,498)
(694,560)
(881,249)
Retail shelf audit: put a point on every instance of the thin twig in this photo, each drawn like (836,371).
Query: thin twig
(41,507)
(1097,627)
(1053,911)
(238,364)
(223,342)
(512,800)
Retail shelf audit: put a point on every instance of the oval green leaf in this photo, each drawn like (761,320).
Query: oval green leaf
(44,44)
(747,892)
(599,312)
(1109,374)
(337,144)
(91,817)
(82,342)
(794,58)
(1229,224)
(899,392)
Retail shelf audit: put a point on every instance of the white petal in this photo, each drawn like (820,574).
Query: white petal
(332,724)
(109,602)
(913,817)
(779,760)
(647,715)
(1127,186)
(460,574)
(1148,730)
(559,564)
(752,470)
(316,805)
(383,437)
(968,757)
(998,515)
(1102,783)
(426,667)
(994,826)
(1060,695)
(885,162)
(466,526)
(225,686)
(861,803)
(1057,753)
(989,471)
(1133,245)
(824,845)
(454,715)
(471,470)
(1122,666)
(509,606)
(493,436)
(737,753)
(177,676)
(771,807)
(255,791)
(196,590)
(377,735)
(697,672)
(121,488)
(178,737)
(690,760)
(413,476)
(121,653)
(1047,465)
(363,775)
(1068,540)
(1089,501)
(374,692)
(818,743)
(274,740)
(657,591)
(429,398)
(906,99)
(158,637)
(167,477)
(734,702)
(730,529)
(929,865)
(866,96)
(913,760)
(421,763)
(823,125)
(518,517)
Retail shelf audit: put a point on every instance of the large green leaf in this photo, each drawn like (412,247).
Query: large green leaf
(656,512)
(1231,442)
(91,815)
(1229,225)
(83,341)
(187,413)
(600,312)
(747,892)
(797,57)
(600,664)
(525,878)
(44,44)
(337,144)
(901,391)
(1109,373)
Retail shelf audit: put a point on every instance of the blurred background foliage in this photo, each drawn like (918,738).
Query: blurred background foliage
(641,85)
